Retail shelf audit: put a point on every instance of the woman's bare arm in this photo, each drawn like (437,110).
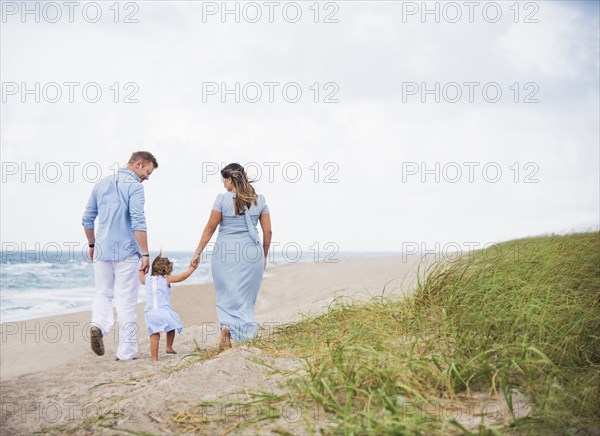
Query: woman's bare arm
(265,224)
(213,222)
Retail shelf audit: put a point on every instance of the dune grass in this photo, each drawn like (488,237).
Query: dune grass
(519,321)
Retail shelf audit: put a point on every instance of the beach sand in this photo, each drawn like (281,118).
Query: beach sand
(49,376)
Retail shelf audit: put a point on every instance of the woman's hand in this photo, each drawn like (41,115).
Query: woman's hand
(195,260)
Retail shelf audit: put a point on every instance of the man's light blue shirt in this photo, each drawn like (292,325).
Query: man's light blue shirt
(118,203)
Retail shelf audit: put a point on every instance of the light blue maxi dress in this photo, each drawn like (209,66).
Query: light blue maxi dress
(237,266)
(159,315)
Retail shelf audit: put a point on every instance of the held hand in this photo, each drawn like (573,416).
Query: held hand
(91,253)
(145,266)
(265,264)
(195,260)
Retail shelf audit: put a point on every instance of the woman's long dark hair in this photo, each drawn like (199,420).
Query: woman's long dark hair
(246,195)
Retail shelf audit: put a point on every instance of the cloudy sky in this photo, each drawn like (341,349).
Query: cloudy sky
(369,125)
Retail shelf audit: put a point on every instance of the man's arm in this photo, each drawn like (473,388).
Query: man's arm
(138,224)
(91,237)
(89,216)
(142,240)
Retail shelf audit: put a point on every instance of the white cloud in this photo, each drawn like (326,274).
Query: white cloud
(367,135)
(563,44)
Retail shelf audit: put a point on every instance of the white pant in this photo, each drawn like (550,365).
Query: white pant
(119,281)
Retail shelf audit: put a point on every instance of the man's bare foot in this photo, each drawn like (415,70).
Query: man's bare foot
(225,339)
(171,351)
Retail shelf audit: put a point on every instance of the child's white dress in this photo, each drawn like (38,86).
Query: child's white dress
(160,316)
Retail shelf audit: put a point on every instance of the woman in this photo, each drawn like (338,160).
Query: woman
(238,260)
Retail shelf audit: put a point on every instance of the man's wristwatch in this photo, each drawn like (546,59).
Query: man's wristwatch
(146,254)
(91,245)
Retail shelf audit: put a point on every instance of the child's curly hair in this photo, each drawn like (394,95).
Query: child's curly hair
(161,266)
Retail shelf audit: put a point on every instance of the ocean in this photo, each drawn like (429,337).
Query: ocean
(34,285)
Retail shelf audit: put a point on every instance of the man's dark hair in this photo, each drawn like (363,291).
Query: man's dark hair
(145,156)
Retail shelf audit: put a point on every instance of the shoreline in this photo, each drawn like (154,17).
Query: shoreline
(47,343)
(141,299)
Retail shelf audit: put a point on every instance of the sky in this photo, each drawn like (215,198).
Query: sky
(368,125)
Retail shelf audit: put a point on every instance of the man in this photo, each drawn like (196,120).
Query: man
(116,248)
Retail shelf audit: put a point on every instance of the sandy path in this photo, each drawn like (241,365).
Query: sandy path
(50,377)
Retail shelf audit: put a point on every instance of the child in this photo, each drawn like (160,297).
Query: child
(160,316)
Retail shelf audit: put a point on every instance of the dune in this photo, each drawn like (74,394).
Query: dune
(51,381)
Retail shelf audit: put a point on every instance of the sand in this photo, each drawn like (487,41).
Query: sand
(51,381)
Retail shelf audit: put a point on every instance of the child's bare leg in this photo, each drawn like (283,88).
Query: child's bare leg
(225,338)
(154,339)
(170,339)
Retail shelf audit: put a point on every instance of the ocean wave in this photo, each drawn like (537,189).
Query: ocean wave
(34,289)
